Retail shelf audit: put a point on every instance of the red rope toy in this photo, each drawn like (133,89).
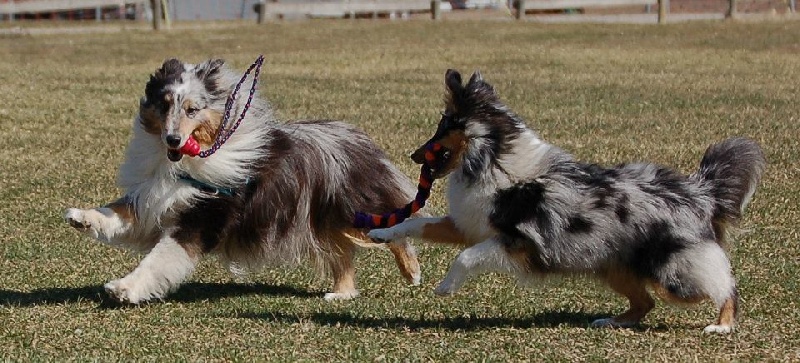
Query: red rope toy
(434,159)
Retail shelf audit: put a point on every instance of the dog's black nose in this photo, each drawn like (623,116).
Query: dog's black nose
(173,140)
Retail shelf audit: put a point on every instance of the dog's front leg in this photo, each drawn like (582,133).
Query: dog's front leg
(163,269)
(433,229)
(488,256)
(110,224)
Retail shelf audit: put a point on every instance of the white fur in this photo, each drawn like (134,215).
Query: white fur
(409,228)
(488,256)
(102,224)
(709,269)
(718,329)
(157,196)
(333,296)
(161,271)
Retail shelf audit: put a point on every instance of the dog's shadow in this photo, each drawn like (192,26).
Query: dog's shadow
(199,291)
(189,292)
(549,319)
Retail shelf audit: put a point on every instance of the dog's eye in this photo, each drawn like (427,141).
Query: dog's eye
(192,111)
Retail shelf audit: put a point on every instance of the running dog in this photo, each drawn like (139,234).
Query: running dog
(274,193)
(526,208)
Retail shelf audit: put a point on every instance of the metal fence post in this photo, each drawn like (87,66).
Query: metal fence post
(520,9)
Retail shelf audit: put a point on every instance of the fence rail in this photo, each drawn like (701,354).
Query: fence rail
(525,5)
(41,6)
(574,4)
(268,9)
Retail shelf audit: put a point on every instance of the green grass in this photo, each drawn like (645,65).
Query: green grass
(608,94)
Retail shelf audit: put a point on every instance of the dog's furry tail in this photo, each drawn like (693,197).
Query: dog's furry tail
(733,168)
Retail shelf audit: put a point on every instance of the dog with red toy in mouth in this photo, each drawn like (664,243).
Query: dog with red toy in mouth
(274,193)
(524,207)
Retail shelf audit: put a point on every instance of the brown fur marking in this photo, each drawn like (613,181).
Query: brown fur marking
(406,262)
(445,232)
(193,247)
(206,132)
(628,285)
(728,311)
(150,119)
(672,298)
(124,209)
(342,268)
(456,142)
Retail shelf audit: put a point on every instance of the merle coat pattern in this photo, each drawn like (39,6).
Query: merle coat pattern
(526,207)
(291,189)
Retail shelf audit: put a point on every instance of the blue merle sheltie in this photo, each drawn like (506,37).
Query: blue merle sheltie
(274,193)
(525,207)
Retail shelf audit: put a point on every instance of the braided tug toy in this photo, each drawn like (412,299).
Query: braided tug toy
(192,148)
(434,159)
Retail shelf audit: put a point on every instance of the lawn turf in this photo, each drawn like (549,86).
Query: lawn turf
(606,93)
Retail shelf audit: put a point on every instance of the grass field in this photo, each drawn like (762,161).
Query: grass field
(608,94)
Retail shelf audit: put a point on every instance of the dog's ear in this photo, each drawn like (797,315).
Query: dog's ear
(154,90)
(209,73)
(475,79)
(477,85)
(208,69)
(455,91)
(171,68)
(452,79)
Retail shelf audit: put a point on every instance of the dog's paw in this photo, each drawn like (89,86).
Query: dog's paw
(445,288)
(77,219)
(123,292)
(612,323)
(333,296)
(382,235)
(718,329)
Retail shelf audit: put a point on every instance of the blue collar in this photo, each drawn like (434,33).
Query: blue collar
(208,188)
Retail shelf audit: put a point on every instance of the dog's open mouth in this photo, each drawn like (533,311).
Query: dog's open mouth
(434,156)
(174,155)
(191,147)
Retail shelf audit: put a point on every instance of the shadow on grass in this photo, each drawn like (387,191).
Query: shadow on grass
(187,293)
(541,320)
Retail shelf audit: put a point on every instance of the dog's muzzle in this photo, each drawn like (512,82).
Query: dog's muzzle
(191,147)
(434,156)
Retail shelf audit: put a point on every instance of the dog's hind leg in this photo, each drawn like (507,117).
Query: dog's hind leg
(488,256)
(701,272)
(716,281)
(406,258)
(404,254)
(728,311)
(343,268)
(163,269)
(634,288)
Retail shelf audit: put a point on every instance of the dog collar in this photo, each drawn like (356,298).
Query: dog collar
(208,188)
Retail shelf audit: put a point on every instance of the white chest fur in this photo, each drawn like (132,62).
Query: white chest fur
(469,207)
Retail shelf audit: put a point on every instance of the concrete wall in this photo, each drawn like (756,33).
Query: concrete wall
(211,9)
